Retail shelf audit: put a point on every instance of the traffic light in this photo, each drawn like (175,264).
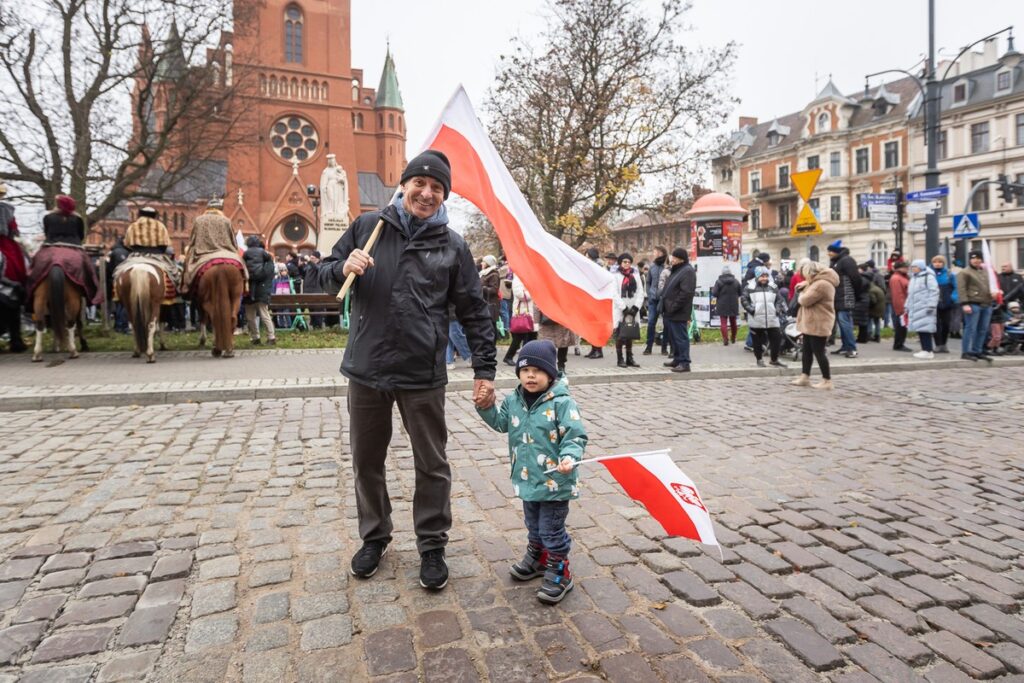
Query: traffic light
(1006,192)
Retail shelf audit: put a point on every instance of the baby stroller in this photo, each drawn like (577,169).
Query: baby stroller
(792,340)
(1013,331)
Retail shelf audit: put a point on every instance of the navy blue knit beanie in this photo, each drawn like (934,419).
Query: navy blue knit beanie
(539,353)
(432,164)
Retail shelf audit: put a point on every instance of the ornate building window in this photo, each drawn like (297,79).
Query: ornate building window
(293,137)
(879,251)
(293,34)
(824,122)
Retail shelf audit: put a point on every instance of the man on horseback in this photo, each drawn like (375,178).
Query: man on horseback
(211,240)
(148,241)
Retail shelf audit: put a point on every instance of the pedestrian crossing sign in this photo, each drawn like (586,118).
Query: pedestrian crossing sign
(965,226)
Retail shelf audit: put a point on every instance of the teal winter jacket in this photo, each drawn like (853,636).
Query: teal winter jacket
(538,438)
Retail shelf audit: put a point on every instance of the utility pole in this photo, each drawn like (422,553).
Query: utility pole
(899,218)
(931,124)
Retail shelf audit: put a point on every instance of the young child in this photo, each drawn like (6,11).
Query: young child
(544,432)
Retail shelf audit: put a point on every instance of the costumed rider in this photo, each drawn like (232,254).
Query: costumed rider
(64,232)
(211,240)
(148,240)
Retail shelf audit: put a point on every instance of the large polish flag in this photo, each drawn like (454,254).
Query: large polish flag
(669,495)
(568,287)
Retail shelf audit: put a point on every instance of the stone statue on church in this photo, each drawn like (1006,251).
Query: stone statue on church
(334,191)
(333,204)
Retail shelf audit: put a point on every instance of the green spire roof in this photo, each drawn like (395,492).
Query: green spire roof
(172,64)
(388,94)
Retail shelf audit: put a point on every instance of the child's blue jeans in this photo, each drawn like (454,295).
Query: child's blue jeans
(545,525)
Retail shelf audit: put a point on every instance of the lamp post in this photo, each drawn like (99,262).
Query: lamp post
(313,192)
(931,93)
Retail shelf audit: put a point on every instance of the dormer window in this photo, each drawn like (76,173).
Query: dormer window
(773,139)
(1003,79)
(824,122)
(959,93)
(881,107)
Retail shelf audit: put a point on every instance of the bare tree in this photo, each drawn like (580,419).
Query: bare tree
(75,72)
(607,113)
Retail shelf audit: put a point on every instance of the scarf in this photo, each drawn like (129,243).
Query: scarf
(628,283)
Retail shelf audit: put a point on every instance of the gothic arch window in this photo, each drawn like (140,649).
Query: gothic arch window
(824,122)
(355,91)
(293,34)
(391,121)
(323,92)
(380,121)
(814,253)
(315,90)
(359,121)
(305,89)
(263,85)
(273,86)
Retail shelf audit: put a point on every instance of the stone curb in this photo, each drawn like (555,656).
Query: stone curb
(144,397)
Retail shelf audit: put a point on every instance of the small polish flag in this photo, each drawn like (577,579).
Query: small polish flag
(993,280)
(568,287)
(653,480)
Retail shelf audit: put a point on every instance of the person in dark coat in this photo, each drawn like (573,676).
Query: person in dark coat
(396,354)
(311,285)
(490,285)
(118,254)
(847,293)
(862,307)
(659,257)
(260,266)
(677,308)
(726,292)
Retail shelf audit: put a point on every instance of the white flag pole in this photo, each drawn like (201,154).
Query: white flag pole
(612,457)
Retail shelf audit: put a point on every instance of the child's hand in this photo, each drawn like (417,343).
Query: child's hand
(565,466)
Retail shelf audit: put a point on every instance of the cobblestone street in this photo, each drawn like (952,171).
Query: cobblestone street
(872,533)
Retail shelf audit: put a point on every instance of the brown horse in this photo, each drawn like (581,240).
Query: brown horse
(62,299)
(141,289)
(218,296)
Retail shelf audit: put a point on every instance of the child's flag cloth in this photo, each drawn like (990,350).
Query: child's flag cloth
(669,495)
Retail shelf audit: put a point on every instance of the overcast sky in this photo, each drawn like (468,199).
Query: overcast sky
(787,48)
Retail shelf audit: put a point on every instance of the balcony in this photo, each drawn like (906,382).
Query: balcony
(774,193)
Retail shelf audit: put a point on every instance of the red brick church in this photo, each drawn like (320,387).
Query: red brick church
(303,101)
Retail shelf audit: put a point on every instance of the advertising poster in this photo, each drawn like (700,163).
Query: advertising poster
(709,239)
(732,241)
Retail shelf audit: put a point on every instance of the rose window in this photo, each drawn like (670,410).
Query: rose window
(293,137)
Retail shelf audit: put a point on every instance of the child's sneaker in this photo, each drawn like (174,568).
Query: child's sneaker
(557,580)
(531,566)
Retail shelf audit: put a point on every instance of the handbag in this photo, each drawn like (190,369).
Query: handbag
(794,306)
(628,329)
(521,323)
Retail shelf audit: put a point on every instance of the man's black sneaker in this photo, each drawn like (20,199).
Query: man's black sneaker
(903,348)
(366,562)
(531,566)
(968,356)
(670,364)
(777,364)
(433,569)
(850,354)
(557,580)
(681,368)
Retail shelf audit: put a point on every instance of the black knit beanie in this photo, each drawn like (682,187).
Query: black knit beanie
(541,354)
(681,253)
(432,164)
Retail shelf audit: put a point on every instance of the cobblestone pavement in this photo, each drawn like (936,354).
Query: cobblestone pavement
(872,533)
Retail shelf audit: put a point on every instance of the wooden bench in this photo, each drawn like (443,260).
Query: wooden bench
(304,304)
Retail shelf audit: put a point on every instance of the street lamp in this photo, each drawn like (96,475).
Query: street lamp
(313,192)
(931,93)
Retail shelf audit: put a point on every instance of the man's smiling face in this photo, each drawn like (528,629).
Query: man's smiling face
(422,196)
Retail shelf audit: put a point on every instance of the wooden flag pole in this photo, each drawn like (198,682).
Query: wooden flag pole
(366,247)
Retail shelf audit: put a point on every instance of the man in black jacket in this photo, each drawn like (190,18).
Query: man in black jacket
(260,266)
(847,293)
(676,307)
(396,354)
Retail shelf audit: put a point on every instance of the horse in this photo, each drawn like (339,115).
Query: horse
(218,295)
(141,289)
(62,299)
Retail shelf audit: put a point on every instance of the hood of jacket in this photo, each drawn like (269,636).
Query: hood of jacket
(828,275)
(754,284)
(729,277)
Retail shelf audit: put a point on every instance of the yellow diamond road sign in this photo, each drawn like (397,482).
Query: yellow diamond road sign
(806,222)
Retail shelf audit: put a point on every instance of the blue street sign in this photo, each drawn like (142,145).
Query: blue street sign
(877,198)
(965,226)
(932,193)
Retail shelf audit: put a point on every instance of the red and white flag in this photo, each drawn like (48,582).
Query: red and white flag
(993,280)
(669,495)
(564,284)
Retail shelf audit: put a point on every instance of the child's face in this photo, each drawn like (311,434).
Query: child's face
(534,379)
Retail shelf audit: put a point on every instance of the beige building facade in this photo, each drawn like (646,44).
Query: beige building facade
(873,142)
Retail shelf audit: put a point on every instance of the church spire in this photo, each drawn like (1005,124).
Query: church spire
(388,94)
(172,65)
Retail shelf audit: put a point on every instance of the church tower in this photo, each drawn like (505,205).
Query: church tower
(302,100)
